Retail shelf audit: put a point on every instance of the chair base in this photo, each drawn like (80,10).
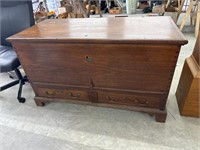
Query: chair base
(21,81)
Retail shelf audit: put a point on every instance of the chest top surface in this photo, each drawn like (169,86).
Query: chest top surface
(104,30)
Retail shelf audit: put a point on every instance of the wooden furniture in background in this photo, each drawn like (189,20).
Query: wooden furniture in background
(197,25)
(97,5)
(187,93)
(125,63)
(177,9)
(194,12)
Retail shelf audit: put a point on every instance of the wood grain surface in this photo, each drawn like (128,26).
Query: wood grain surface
(105,30)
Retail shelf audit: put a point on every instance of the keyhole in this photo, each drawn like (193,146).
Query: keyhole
(89,59)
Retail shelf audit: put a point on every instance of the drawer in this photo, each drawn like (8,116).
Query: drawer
(63,93)
(142,100)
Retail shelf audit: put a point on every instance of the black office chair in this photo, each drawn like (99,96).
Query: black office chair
(15,16)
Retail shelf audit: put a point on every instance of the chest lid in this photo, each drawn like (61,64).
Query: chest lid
(148,30)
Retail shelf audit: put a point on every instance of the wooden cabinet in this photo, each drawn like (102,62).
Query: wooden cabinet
(125,63)
(187,93)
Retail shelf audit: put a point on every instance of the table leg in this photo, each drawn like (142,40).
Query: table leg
(197,21)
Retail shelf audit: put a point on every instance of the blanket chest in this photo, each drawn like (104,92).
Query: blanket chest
(125,63)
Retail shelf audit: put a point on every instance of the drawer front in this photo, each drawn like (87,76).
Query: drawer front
(140,100)
(63,93)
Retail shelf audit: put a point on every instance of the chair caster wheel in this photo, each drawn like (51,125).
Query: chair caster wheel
(21,100)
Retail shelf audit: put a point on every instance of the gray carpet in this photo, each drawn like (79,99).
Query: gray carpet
(63,126)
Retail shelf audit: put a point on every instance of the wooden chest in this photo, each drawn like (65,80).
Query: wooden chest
(125,63)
